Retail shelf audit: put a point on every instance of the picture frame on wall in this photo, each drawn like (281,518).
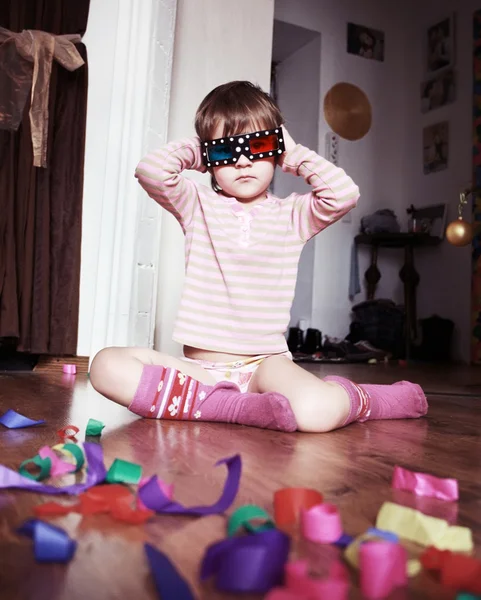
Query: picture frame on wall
(440,44)
(435,147)
(365,42)
(438,91)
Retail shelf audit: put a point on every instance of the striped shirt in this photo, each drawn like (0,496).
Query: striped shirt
(241,266)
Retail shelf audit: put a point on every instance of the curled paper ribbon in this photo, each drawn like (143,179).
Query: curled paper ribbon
(169,583)
(94,427)
(423,484)
(153,497)
(72,450)
(68,432)
(457,571)
(44,465)
(252,563)
(299,585)
(289,502)
(69,369)
(321,523)
(242,519)
(123,471)
(422,529)
(166,488)
(51,544)
(59,467)
(95,474)
(383,568)
(14,420)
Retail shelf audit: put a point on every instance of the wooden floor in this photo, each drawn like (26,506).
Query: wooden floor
(351,467)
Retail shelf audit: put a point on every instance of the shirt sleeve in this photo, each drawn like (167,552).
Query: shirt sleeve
(160,174)
(333,192)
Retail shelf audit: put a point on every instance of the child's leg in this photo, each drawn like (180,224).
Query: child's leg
(158,386)
(321,405)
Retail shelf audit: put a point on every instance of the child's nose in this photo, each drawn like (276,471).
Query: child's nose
(243,161)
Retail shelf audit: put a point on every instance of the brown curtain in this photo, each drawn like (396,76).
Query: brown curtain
(41,209)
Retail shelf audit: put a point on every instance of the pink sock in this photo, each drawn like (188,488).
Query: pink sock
(165,393)
(401,400)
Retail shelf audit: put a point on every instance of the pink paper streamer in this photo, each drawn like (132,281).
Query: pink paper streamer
(69,369)
(383,568)
(423,484)
(300,586)
(321,523)
(59,467)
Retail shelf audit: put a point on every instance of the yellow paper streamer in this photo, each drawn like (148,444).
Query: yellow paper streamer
(422,529)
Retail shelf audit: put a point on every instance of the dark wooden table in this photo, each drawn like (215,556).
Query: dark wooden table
(352,467)
(408,274)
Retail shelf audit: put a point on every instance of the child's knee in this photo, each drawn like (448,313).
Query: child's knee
(102,369)
(317,414)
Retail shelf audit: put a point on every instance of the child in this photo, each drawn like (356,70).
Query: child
(242,251)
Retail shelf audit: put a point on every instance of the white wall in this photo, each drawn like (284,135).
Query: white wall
(375,162)
(130,47)
(298,80)
(446,270)
(206,54)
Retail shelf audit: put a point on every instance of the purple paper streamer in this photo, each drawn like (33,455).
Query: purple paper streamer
(168,581)
(14,420)
(95,474)
(154,498)
(51,544)
(253,563)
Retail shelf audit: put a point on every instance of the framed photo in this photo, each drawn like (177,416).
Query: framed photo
(365,42)
(429,219)
(438,91)
(435,147)
(441,45)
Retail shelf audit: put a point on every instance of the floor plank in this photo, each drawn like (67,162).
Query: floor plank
(351,467)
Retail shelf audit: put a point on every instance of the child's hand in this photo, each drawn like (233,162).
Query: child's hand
(289,143)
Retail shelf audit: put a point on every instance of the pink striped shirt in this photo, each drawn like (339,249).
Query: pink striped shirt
(241,265)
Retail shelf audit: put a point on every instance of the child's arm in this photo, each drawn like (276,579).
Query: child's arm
(333,192)
(159,173)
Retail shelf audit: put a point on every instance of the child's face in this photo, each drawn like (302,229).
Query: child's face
(245,180)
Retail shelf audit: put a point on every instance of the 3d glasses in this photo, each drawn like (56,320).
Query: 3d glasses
(256,145)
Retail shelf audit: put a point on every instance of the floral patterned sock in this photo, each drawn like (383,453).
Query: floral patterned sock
(165,393)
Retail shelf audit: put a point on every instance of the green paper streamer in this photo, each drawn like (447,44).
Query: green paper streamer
(122,471)
(44,464)
(242,517)
(77,453)
(94,427)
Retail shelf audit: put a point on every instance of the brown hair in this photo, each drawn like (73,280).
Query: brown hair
(241,106)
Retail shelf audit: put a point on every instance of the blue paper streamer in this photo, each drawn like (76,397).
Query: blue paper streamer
(155,499)
(14,420)
(388,536)
(51,544)
(169,583)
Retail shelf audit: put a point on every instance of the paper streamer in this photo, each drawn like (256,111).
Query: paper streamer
(73,450)
(299,585)
(383,568)
(59,467)
(51,544)
(253,563)
(44,464)
(423,484)
(422,529)
(166,488)
(123,471)
(68,432)
(457,571)
(69,369)
(153,497)
(321,523)
(289,502)
(94,427)
(169,583)
(14,420)
(242,519)
(95,474)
